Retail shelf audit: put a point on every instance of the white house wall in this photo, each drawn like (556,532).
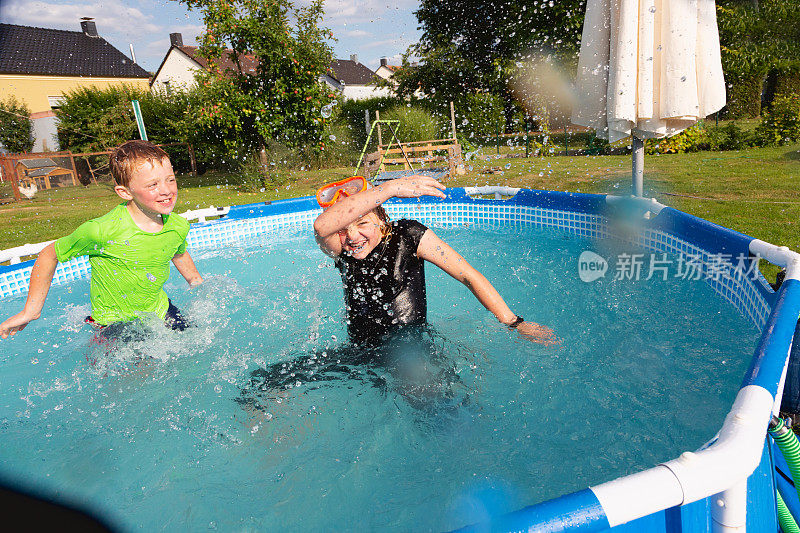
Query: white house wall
(362,92)
(178,69)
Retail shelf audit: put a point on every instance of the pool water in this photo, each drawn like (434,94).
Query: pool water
(171,430)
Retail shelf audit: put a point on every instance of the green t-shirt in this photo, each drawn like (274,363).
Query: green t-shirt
(129,266)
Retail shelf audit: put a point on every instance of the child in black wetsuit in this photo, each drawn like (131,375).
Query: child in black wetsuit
(382,263)
(382,268)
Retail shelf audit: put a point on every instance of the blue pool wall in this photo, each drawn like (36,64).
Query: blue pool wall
(585,215)
(671,231)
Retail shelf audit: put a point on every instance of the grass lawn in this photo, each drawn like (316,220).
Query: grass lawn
(755,191)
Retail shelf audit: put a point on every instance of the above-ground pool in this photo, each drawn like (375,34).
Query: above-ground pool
(263,417)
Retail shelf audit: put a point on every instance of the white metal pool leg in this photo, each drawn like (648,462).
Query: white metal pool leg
(729,509)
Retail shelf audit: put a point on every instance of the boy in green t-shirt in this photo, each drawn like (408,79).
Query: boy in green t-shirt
(129,248)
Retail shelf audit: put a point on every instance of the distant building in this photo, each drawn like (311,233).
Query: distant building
(179,66)
(39,65)
(387,71)
(354,80)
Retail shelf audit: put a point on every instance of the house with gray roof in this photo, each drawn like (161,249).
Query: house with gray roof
(178,68)
(39,66)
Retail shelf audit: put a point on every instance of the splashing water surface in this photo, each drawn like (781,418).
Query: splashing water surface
(171,430)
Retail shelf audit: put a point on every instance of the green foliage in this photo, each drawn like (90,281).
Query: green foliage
(756,38)
(16,129)
(479,115)
(350,113)
(93,120)
(416,123)
(703,136)
(727,137)
(259,173)
(781,124)
(744,96)
(596,146)
(469,45)
(276,99)
(787,82)
(689,140)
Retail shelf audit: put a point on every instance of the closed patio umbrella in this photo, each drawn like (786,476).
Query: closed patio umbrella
(647,68)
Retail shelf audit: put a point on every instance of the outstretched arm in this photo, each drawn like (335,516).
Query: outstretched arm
(348,210)
(432,248)
(183,262)
(41,278)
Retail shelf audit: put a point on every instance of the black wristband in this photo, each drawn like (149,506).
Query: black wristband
(517,321)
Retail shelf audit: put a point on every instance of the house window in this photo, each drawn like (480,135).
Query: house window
(55,101)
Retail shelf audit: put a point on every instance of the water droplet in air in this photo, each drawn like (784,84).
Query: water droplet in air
(326,111)
(652,9)
(151,277)
(508,165)
(332,137)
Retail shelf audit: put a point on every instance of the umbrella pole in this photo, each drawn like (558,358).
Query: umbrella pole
(637,173)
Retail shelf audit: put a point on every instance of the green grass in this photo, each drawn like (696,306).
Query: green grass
(754,191)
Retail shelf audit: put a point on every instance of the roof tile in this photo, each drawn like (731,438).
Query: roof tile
(29,50)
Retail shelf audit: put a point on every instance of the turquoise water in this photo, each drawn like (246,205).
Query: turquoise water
(168,431)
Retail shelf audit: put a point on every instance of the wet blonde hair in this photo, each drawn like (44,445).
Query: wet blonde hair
(129,155)
(386,228)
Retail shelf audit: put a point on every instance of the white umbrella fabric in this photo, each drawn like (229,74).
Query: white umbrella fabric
(647,68)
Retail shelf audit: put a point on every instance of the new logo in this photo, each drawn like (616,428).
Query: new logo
(591,266)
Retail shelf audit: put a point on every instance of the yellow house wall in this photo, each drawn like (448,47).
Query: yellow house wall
(34,90)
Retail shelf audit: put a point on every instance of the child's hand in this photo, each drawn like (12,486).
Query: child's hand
(416,186)
(538,333)
(14,324)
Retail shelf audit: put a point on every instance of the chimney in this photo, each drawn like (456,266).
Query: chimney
(384,61)
(176,39)
(88,27)
(354,58)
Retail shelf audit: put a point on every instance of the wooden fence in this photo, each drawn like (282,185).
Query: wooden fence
(9,172)
(422,152)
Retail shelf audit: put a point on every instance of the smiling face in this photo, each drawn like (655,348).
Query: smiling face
(362,236)
(152,188)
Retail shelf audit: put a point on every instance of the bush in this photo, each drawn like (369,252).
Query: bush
(351,116)
(416,124)
(94,120)
(727,137)
(744,96)
(479,115)
(781,123)
(689,140)
(257,174)
(16,129)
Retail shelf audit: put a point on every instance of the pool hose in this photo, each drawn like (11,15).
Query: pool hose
(790,448)
(785,518)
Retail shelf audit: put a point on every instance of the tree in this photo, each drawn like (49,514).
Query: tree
(266,58)
(473,46)
(16,129)
(758,39)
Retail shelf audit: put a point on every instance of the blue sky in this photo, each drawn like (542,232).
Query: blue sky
(370,28)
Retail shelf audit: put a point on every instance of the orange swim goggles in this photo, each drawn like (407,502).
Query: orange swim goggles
(329,194)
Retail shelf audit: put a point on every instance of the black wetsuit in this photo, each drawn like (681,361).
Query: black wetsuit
(386,289)
(386,311)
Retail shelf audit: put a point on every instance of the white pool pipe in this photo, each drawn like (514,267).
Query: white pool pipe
(646,204)
(778,255)
(496,190)
(721,468)
(202,214)
(14,255)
